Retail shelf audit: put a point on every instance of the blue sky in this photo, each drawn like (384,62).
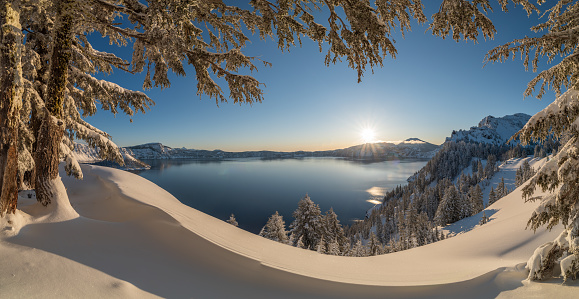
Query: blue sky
(434,86)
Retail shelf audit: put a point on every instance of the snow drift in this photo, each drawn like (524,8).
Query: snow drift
(133,239)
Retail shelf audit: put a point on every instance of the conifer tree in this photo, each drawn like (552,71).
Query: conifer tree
(274,229)
(492,196)
(331,229)
(484,219)
(307,223)
(374,246)
(232,220)
(536,152)
(10,102)
(334,248)
(449,209)
(500,191)
(321,247)
(480,171)
(558,37)
(300,243)
(476,197)
(359,250)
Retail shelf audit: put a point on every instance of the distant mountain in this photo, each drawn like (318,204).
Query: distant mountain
(86,154)
(410,148)
(492,130)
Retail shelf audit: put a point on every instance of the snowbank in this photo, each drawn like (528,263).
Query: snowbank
(134,239)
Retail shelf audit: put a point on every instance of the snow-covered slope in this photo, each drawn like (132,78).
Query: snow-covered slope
(494,130)
(134,240)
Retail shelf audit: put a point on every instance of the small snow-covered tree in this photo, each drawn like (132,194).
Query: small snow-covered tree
(334,248)
(359,250)
(232,220)
(274,229)
(484,219)
(307,223)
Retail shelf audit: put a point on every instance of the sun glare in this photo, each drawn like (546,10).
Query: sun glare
(368,135)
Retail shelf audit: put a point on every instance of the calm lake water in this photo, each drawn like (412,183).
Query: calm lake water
(254,189)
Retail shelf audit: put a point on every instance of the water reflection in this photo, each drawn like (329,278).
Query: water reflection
(253,189)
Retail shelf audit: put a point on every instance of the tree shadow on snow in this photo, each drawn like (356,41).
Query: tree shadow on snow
(467,224)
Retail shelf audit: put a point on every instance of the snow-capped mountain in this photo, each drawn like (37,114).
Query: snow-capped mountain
(493,130)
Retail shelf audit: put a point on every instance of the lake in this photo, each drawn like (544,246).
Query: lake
(253,189)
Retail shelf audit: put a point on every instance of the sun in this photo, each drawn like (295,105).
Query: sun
(368,135)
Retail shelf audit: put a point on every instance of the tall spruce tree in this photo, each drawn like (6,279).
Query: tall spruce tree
(332,230)
(492,196)
(307,225)
(476,198)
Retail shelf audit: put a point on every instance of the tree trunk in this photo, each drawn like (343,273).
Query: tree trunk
(52,128)
(10,102)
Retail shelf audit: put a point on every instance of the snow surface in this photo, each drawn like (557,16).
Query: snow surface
(135,240)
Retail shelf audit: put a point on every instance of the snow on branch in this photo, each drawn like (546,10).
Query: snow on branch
(108,150)
(554,120)
(111,95)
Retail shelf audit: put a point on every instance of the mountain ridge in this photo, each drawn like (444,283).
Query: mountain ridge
(492,130)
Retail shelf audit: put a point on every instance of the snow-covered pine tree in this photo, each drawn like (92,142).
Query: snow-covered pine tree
(321,247)
(307,223)
(232,220)
(492,196)
(71,90)
(332,229)
(559,175)
(359,250)
(334,248)
(374,246)
(484,219)
(274,229)
(10,102)
(480,171)
(536,152)
(501,190)
(490,167)
(449,209)
(476,197)
(519,176)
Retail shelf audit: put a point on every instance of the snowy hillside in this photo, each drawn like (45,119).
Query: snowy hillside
(506,171)
(410,148)
(493,130)
(163,248)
